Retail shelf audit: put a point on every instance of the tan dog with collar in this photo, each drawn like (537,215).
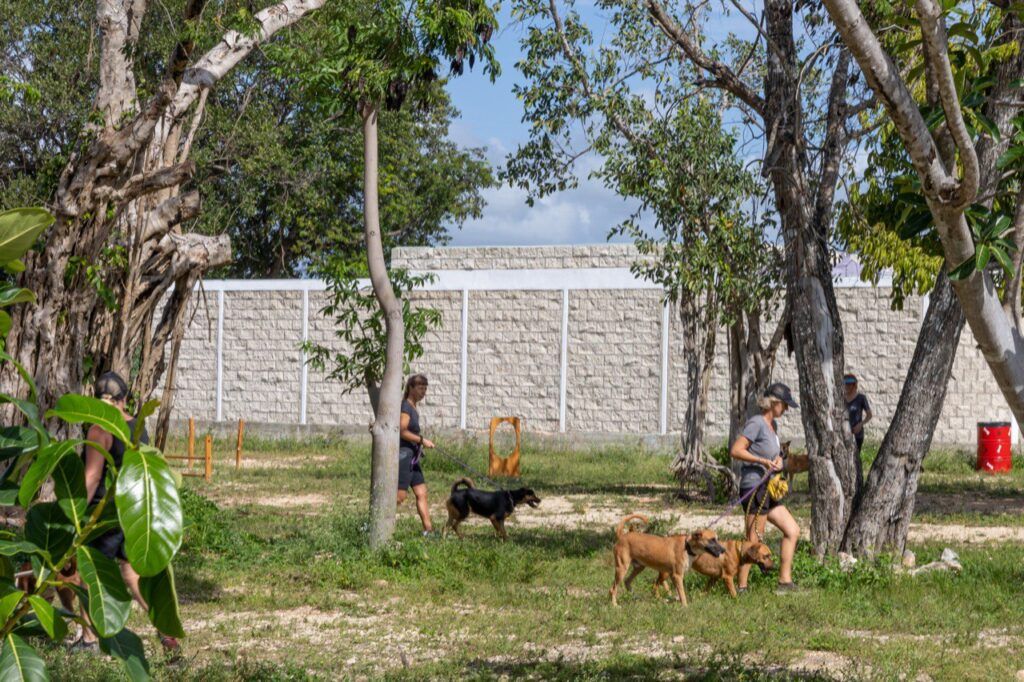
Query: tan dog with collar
(726,566)
(670,555)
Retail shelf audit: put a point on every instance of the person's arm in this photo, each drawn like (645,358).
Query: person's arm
(408,435)
(94,459)
(741,450)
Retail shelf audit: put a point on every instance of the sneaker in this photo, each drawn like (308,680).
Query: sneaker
(786,588)
(172,649)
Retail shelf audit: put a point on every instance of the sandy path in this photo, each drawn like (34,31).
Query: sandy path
(574,511)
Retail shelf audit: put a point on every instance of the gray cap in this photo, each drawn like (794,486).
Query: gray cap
(781,392)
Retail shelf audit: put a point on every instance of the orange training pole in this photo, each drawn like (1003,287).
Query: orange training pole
(209,458)
(191,440)
(238,446)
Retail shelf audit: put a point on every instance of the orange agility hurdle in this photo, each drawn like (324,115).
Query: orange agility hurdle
(508,465)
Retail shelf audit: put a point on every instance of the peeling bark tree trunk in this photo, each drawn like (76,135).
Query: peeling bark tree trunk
(385,428)
(118,210)
(751,364)
(693,464)
(883,514)
(817,328)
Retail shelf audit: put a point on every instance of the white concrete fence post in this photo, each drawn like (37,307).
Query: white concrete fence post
(463,358)
(220,354)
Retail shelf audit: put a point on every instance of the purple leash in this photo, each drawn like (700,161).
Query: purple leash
(733,504)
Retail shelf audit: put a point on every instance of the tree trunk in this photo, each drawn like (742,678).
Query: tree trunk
(384,451)
(817,329)
(882,517)
(693,465)
(948,191)
(122,188)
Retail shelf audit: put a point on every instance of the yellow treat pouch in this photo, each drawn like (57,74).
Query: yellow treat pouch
(778,487)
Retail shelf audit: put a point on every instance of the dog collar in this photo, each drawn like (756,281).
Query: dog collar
(688,550)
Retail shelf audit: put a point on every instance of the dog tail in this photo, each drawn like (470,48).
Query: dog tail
(622,524)
(468,482)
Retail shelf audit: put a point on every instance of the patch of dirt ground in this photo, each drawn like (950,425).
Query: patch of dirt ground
(579,511)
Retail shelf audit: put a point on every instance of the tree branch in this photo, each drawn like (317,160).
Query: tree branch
(933,34)
(723,75)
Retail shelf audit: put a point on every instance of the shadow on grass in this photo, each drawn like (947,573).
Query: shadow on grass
(620,667)
(195,590)
(556,543)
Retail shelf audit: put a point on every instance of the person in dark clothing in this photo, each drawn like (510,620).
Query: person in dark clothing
(858,409)
(410,450)
(112,389)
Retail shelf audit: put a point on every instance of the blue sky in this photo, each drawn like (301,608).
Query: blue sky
(491,118)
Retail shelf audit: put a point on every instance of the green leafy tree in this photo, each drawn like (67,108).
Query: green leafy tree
(889,220)
(286,180)
(143,499)
(373,57)
(360,327)
(670,152)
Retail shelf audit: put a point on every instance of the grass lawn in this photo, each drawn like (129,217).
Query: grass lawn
(276,583)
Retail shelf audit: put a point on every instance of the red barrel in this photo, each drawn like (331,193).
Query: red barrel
(994,447)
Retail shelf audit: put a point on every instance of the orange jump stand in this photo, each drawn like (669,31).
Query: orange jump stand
(508,465)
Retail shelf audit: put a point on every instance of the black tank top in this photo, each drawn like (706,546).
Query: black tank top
(414,425)
(117,453)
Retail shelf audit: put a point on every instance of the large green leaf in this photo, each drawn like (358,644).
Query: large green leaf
(162,596)
(49,619)
(140,421)
(47,527)
(127,647)
(9,493)
(9,601)
(13,295)
(109,601)
(19,662)
(17,440)
(5,323)
(43,466)
(19,228)
(149,509)
(25,376)
(80,409)
(69,486)
(14,547)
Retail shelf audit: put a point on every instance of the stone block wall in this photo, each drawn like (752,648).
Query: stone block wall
(613,368)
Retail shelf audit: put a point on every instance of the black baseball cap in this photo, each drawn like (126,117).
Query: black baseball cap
(781,392)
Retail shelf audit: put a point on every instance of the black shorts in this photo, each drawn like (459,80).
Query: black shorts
(759,500)
(409,474)
(111,544)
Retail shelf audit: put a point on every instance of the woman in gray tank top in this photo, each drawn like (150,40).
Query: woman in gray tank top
(411,445)
(760,451)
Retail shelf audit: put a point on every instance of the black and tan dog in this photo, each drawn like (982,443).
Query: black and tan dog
(495,505)
(670,555)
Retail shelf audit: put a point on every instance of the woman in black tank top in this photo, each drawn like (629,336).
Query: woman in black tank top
(112,389)
(410,473)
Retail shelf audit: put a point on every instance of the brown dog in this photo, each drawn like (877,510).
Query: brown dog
(725,567)
(671,555)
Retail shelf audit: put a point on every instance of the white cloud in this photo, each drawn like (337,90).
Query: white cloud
(580,216)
